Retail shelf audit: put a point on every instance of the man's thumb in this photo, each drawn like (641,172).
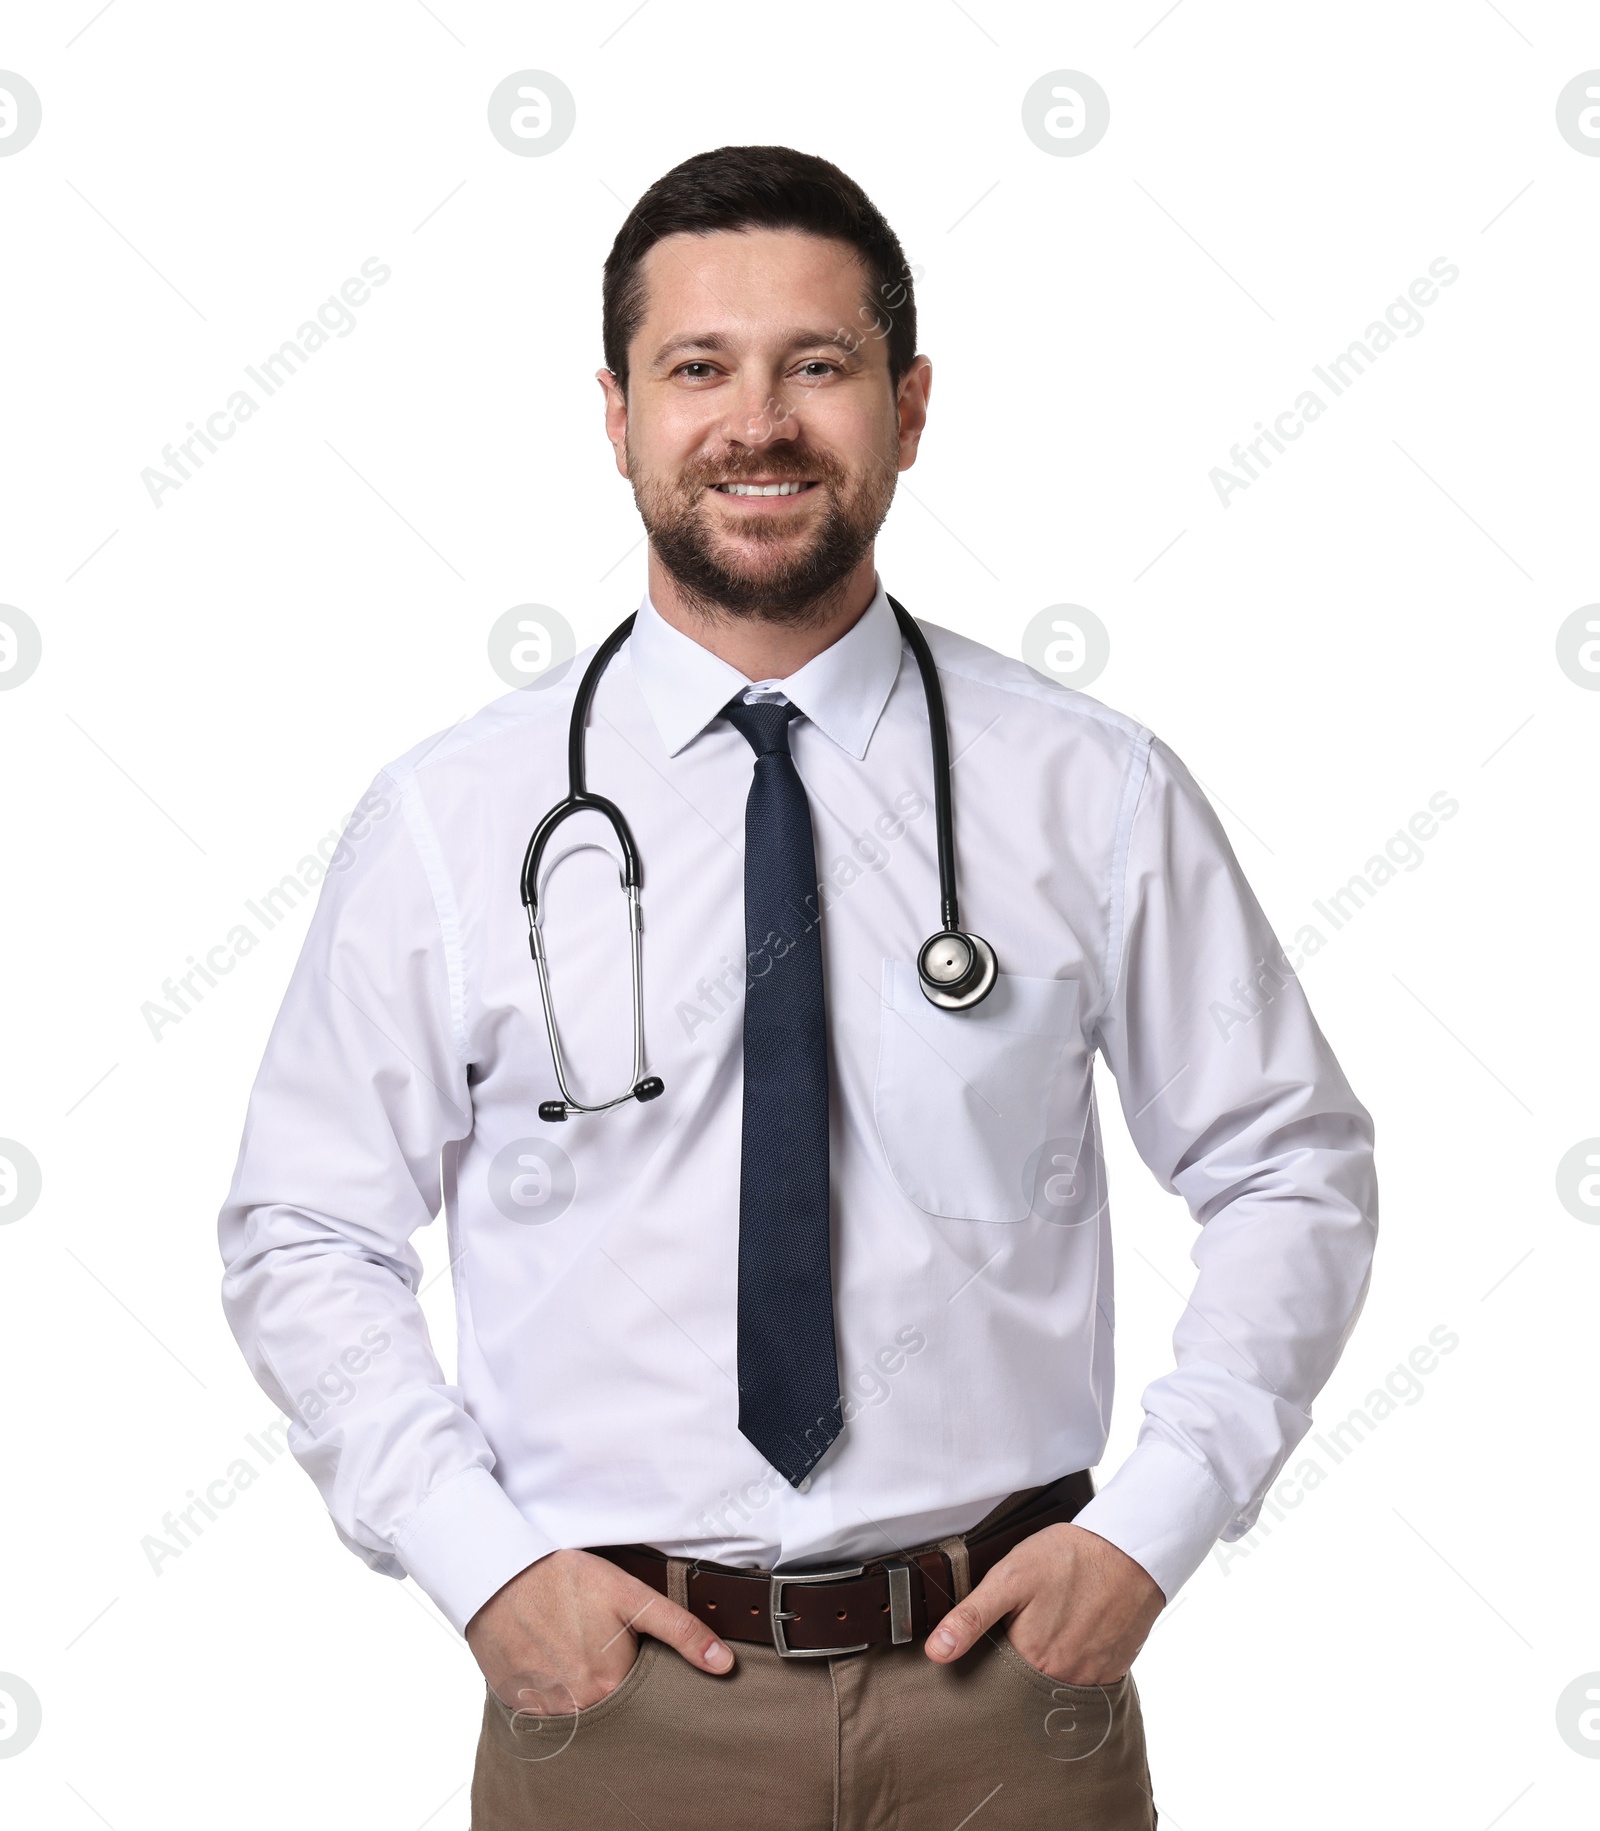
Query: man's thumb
(651,1613)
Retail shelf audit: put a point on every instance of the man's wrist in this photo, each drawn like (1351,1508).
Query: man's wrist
(1123,1562)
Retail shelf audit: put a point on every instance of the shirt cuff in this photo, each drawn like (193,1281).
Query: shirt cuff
(1164,1509)
(467,1540)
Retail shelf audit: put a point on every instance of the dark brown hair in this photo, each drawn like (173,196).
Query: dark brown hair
(768,187)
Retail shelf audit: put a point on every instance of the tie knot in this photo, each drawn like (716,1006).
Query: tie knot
(764,725)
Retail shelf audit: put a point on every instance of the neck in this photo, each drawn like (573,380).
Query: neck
(758,649)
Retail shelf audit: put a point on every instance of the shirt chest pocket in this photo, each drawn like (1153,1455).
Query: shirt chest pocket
(965,1098)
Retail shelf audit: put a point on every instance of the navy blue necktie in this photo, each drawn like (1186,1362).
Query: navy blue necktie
(788,1365)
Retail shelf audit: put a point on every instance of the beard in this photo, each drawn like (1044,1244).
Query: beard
(794,587)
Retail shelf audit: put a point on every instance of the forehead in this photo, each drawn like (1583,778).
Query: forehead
(748,284)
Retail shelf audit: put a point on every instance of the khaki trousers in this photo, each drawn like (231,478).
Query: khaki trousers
(878,1741)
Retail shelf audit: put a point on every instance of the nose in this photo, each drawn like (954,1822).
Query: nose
(758,415)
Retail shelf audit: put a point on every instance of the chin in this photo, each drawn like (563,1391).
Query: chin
(760,558)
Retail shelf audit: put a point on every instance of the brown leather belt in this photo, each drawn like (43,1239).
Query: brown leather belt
(886,1602)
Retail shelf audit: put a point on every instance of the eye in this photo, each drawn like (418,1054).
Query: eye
(818,362)
(683,367)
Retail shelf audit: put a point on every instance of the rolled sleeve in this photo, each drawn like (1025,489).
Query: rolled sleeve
(1234,1099)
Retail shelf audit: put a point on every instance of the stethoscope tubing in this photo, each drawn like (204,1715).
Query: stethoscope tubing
(976,985)
(939,743)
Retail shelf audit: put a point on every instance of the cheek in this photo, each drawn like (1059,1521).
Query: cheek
(847,459)
(877,431)
(671,437)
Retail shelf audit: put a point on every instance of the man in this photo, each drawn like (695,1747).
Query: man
(840,1298)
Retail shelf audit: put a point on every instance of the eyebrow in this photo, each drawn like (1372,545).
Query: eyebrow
(716,341)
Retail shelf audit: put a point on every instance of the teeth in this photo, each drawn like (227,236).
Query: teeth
(761,489)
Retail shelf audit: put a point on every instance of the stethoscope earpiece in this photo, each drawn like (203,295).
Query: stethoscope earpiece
(957,970)
(557,1112)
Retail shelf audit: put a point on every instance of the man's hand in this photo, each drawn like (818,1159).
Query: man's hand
(1080,1608)
(564,1633)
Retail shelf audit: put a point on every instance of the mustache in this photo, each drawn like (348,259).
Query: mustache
(791,466)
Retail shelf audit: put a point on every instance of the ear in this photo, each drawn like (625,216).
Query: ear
(616,417)
(911,407)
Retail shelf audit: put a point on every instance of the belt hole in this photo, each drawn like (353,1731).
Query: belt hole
(883,1611)
(711,1605)
(843,1613)
(754,1610)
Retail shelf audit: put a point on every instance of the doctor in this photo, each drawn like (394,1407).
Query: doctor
(837,1302)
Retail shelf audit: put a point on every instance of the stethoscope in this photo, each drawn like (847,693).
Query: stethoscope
(956,970)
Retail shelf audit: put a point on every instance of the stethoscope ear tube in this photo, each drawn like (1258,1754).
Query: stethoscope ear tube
(579,801)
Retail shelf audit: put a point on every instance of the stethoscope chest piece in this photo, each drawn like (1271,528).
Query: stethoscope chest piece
(957,970)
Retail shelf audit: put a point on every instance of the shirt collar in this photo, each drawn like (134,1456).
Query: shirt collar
(842,691)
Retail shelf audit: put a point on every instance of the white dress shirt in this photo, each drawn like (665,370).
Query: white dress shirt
(595,1262)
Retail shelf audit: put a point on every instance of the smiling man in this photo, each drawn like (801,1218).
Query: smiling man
(763,1497)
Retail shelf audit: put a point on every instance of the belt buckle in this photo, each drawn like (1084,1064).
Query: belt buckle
(780,1614)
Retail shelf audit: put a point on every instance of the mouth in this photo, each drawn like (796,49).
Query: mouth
(754,490)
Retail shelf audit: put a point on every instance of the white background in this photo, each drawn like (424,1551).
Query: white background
(1371,622)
